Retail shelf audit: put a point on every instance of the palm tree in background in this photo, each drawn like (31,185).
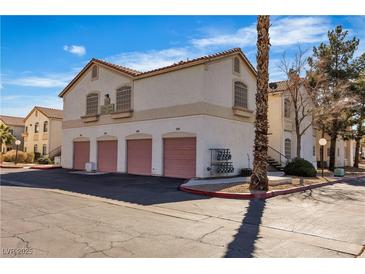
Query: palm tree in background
(259,180)
(5,138)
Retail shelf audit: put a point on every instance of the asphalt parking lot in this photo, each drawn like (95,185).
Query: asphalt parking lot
(56,213)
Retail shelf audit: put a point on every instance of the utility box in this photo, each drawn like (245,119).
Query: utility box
(90,167)
(57,160)
(339,172)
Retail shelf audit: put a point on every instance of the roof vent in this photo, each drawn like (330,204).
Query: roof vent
(273,85)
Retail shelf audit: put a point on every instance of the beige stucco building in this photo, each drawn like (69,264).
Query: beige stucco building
(282,134)
(16,125)
(164,121)
(43,131)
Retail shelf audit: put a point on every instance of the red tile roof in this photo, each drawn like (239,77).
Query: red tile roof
(12,120)
(51,113)
(179,65)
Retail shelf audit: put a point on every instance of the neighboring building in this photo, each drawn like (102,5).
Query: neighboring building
(160,122)
(345,151)
(43,131)
(16,125)
(282,134)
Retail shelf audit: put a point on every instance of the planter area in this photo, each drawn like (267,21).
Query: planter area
(239,187)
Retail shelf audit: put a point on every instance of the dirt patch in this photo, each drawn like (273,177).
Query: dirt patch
(243,187)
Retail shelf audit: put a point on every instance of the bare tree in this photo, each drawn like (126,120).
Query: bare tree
(298,93)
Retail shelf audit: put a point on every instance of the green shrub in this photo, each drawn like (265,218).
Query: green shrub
(300,167)
(44,160)
(10,156)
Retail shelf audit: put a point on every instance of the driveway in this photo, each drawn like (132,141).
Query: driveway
(56,213)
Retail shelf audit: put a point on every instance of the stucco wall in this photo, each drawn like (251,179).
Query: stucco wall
(30,140)
(276,127)
(210,132)
(55,137)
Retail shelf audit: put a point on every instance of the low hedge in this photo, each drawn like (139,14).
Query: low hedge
(44,160)
(300,167)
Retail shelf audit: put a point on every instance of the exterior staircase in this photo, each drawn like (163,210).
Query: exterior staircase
(276,160)
(274,165)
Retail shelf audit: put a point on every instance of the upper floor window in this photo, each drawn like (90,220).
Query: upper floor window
(236,65)
(286,108)
(45,126)
(240,95)
(36,113)
(36,127)
(26,129)
(94,72)
(124,99)
(92,103)
(287,148)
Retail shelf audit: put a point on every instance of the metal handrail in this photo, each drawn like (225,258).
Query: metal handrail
(54,151)
(286,159)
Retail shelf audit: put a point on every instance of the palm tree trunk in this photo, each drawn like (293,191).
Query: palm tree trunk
(259,180)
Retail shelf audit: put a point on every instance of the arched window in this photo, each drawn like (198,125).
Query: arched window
(36,127)
(287,148)
(236,65)
(45,126)
(240,95)
(286,108)
(94,72)
(92,103)
(44,149)
(35,148)
(124,99)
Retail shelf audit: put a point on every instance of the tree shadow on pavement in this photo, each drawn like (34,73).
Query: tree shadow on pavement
(243,245)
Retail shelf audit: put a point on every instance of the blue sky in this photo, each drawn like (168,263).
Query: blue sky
(41,54)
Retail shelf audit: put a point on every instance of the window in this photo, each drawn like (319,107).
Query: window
(25,149)
(240,95)
(92,102)
(35,148)
(36,113)
(286,108)
(338,151)
(26,129)
(36,127)
(94,72)
(124,99)
(44,149)
(236,65)
(314,150)
(287,148)
(328,152)
(45,126)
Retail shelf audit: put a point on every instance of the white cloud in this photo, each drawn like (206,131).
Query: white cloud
(52,80)
(10,103)
(285,31)
(74,49)
(148,60)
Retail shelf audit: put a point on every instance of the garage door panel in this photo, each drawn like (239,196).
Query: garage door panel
(81,154)
(180,157)
(139,156)
(107,155)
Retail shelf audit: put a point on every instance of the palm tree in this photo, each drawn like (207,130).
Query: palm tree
(259,180)
(5,138)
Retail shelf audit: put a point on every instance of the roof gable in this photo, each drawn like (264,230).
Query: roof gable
(50,113)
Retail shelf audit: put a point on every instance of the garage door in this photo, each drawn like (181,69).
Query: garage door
(81,154)
(107,156)
(139,156)
(180,157)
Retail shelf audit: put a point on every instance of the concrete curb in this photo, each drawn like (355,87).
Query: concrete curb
(262,195)
(44,167)
(2,166)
